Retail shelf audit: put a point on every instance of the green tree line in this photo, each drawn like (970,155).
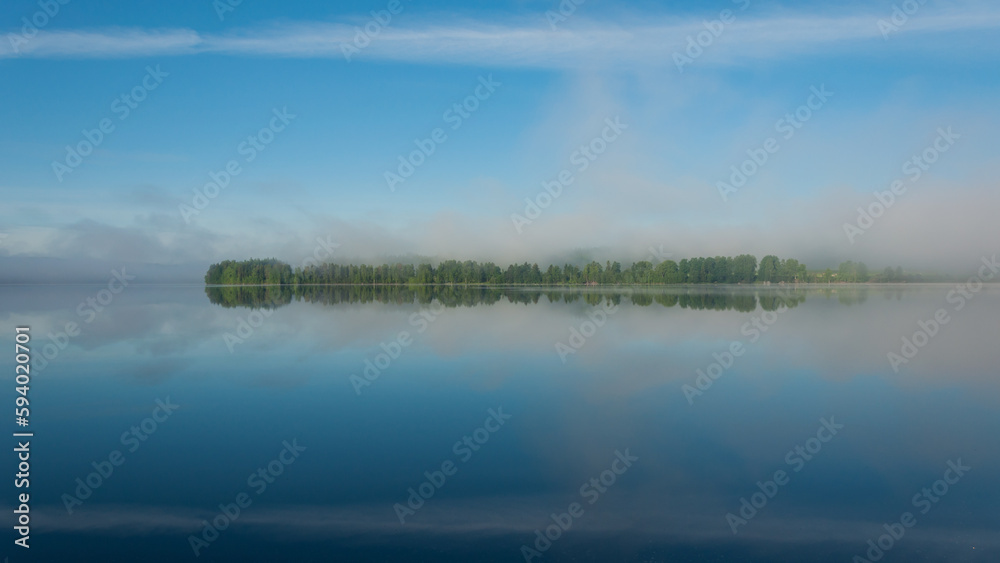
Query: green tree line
(719,269)
(742,269)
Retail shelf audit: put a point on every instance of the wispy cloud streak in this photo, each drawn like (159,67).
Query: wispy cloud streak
(517,44)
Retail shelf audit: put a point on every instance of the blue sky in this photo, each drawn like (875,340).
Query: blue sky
(655,185)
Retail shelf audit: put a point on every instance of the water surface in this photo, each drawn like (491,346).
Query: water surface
(254,369)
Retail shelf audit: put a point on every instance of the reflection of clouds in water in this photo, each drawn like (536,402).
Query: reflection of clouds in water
(635,517)
(824,357)
(130,328)
(642,353)
(656,344)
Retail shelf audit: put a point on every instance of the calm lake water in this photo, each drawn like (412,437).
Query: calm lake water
(465,425)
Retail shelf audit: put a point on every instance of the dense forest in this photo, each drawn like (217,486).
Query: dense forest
(742,269)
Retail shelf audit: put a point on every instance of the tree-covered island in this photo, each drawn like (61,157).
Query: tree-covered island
(742,269)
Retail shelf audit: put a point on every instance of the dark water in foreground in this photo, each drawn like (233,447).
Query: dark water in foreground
(328,412)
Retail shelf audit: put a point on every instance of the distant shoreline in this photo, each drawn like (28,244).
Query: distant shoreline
(590,286)
(718,270)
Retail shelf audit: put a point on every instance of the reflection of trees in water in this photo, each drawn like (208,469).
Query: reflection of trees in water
(858,295)
(853,296)
(741,301)
(272,296)
(893,293)
(253,296)
(773,301)
(666,299)
(570,297)
(642,299)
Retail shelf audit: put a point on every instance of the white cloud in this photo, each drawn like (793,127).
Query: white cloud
(641,40)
